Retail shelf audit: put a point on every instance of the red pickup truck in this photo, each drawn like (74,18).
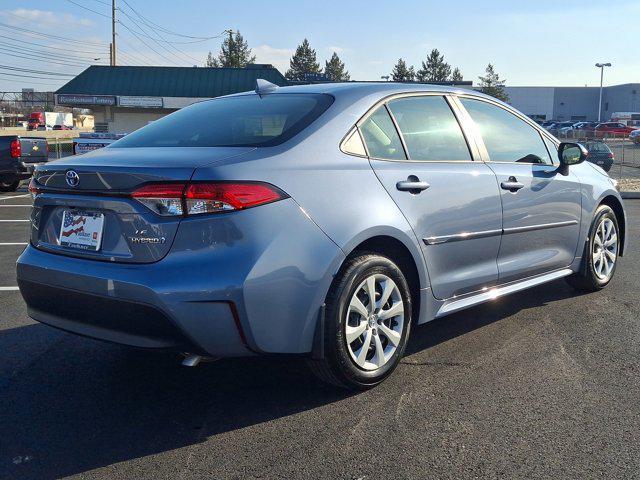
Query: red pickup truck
(18,158)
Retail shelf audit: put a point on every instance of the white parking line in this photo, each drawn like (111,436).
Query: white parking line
(8,289)
(16,196)
(12,206)
(12,243)
(14,221)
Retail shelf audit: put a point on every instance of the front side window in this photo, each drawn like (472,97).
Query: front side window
(552,148)
(380,136)
(240,121)
(429,128)
(507,137)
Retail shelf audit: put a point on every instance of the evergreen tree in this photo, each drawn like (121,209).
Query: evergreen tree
(491,84)
(402,73)
(334,69)
(234,53)
(456,75)
(211,61)
(303,63)
(435,69)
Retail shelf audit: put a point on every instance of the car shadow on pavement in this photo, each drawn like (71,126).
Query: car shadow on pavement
(82,405)
(438,331)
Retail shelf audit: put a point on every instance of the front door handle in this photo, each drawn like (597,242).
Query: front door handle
(412,184)
(512,184)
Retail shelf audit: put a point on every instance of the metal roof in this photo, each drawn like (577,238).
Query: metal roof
(199,82)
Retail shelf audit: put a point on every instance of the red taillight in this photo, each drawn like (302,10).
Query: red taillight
(33,188)
(160,190)
(212,197)
(610,155)
(217,197)
(16,148)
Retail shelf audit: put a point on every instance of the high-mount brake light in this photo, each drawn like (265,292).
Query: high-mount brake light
(169,199)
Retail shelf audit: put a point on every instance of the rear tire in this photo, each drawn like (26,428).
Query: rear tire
(8,186)
(601,253)
(364,341)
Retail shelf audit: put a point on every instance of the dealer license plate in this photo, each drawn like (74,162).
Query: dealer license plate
(81,230)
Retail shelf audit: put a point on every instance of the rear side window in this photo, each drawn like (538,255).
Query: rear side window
(429,128)
(380,136)
(507,138)
(242,121)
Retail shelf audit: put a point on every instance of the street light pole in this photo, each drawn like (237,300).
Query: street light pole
(601,67)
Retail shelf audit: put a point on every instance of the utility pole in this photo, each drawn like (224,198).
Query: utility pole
(601,67)
(113,33)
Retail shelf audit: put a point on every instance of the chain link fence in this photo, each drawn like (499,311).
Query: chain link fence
(60,148)
(626,153)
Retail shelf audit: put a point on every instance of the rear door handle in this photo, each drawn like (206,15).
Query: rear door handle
(412,184)
(513,185)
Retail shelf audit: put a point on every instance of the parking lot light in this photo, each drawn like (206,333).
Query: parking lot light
(601,67)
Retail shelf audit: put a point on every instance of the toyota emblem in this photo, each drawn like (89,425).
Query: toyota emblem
(72,178)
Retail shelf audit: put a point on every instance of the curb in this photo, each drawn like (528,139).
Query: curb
(630,195)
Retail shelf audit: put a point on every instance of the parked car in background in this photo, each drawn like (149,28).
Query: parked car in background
(18,157)
(565,127)
(599,154)
(635,136)
(615,129)
(318,220)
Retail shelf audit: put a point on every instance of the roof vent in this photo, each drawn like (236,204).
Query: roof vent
(264,87)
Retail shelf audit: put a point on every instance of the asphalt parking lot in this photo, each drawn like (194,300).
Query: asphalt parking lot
(544,383)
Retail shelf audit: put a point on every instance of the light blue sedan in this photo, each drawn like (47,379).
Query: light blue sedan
(319,220)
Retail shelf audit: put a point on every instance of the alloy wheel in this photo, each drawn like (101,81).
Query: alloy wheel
(605,249)
(374,323)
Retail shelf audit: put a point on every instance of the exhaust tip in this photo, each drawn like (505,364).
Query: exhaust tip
(191,360)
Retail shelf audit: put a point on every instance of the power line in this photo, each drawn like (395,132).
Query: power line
(147,21)
(158,42)
(42,58)
(55,56)
(148,61)
(29,70)
(89,9)
(31,76)
(57,37)
(145,43)
(31,82)
(102,51)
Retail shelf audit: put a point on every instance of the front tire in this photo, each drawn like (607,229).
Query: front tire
(9,186)
(367,323)
(601,253)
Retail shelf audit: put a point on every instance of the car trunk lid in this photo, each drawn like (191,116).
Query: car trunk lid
(90,196)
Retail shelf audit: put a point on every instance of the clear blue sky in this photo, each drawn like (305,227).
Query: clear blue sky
(537,42)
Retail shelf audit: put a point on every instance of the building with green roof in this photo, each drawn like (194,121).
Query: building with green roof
(126,98)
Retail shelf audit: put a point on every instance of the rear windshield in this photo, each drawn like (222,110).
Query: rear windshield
(242,121)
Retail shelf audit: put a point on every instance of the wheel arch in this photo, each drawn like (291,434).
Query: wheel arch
(401,254)
(616,205)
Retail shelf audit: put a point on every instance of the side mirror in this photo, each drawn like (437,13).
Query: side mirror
(570,154)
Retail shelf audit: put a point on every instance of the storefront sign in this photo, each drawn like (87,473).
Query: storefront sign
(140,102)
(86,99)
